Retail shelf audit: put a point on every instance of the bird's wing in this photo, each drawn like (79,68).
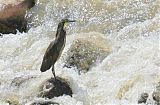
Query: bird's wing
(46,64)
(47,59)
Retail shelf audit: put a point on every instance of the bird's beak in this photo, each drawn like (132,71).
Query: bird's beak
(72,21)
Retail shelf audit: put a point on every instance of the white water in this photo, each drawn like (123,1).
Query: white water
(133,28)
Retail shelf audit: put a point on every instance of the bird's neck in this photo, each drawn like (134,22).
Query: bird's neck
(61,26)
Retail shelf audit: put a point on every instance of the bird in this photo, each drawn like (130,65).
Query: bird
(55,48)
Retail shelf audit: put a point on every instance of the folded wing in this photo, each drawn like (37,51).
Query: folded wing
(47,59)
(46,64)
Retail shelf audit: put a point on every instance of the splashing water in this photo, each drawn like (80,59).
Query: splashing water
(133,29)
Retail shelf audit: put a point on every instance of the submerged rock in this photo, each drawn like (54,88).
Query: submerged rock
(18,81)
(52,88)
(13,100)
(143,98)
(12,17)
(44,103)
(156,97)
(156,94)
(86,50)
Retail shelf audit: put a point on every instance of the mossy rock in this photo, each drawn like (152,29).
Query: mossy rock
(86,50)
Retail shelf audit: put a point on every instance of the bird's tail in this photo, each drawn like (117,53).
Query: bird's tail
(46,64)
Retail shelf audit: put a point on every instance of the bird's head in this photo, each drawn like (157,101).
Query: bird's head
(65,22)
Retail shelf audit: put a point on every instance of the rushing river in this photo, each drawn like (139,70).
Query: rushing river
(133,66)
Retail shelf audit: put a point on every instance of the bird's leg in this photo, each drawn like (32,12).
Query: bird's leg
(79,72)
(53,72)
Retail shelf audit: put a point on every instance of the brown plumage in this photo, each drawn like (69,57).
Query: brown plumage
(55,48)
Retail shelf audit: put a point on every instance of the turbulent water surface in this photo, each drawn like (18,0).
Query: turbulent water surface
(132,67)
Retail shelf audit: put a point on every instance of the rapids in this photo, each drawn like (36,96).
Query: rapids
(132,28)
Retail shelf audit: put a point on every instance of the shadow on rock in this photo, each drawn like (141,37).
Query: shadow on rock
(52,88)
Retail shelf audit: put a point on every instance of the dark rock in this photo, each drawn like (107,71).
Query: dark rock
(143,98)
(156,94)
(1,35)
(12,17)
(8,26)
(156,97)
(52,88)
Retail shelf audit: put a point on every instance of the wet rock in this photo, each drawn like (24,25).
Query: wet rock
(156,97)
(52,88)
(86,50)
(1,35)
(12,17)
(156,94)
(44,103)
(17,81)
(143,98)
